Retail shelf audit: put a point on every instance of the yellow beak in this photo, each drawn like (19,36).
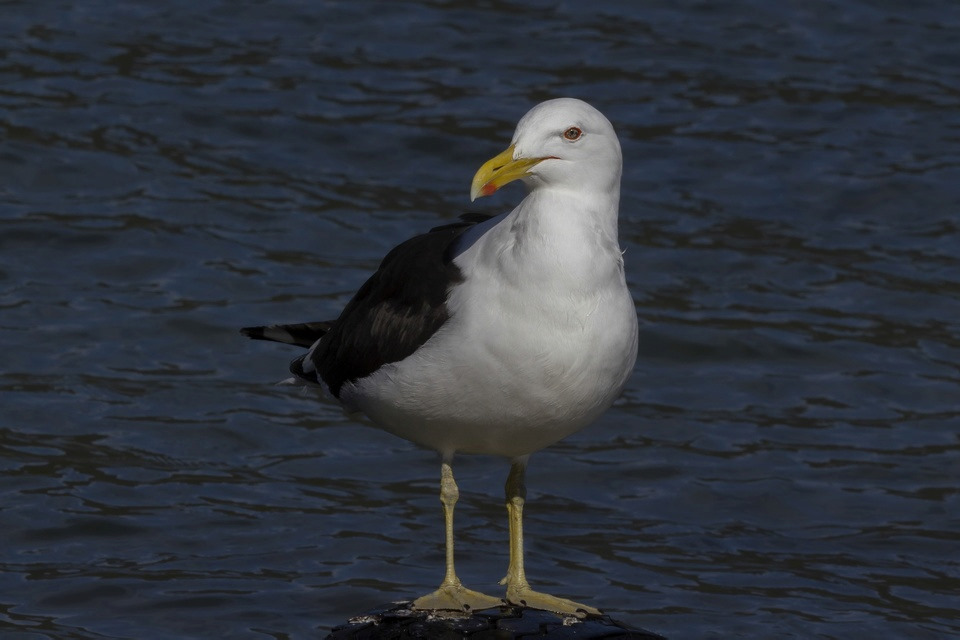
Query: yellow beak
(498,171)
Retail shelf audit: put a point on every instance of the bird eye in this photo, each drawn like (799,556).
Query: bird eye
(573,133)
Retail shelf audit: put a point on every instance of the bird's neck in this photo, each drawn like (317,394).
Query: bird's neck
(561,216)
(563,239)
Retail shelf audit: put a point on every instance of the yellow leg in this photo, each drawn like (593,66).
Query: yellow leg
(518,589)
(452,594)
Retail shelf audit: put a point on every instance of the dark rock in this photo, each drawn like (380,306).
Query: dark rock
(399,622)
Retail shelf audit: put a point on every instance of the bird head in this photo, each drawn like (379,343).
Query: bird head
(561,143)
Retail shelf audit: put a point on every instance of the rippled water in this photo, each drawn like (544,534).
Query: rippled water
(784,463)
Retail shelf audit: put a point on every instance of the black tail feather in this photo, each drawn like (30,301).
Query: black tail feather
(304,334)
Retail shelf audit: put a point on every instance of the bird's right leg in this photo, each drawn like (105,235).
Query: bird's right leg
(518,589)
(452,594)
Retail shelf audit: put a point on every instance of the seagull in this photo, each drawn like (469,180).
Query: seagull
(495,335)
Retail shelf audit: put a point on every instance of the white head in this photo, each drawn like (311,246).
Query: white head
(563,143)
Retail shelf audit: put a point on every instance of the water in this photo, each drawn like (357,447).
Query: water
(784,463)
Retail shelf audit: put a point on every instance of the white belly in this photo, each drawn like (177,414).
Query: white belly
(510,373)
(542,337)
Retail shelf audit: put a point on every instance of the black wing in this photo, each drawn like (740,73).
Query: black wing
(393,313)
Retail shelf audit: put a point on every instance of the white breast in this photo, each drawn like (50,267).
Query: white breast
(541,340)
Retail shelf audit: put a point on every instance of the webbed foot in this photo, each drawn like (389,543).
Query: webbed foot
(456,597)
(524,595)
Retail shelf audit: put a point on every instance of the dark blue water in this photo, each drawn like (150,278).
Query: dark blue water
(784,463)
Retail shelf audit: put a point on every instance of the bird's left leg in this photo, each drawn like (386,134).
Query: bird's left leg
(452,594)
(518,589)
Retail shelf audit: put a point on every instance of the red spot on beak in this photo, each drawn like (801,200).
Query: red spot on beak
(488,189)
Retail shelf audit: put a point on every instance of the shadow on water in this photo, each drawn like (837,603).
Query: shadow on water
(784,461)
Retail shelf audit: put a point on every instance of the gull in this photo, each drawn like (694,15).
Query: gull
(495,335)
